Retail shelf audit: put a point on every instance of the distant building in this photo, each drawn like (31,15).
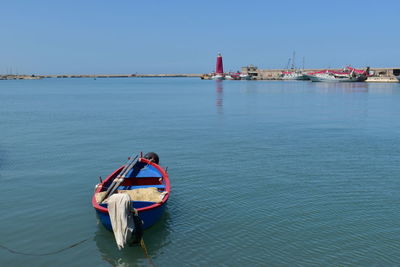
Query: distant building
(251,70)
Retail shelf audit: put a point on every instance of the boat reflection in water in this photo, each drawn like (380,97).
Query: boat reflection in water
(219,102)
(345,87)
(155,239)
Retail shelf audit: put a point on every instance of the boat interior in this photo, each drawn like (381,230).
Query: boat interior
(143,183)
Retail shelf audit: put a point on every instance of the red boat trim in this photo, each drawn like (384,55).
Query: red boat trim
(115,173)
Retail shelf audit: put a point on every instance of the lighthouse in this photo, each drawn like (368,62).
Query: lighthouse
(219,69)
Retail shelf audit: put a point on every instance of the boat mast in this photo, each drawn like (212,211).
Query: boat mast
(293,63)
(288,64)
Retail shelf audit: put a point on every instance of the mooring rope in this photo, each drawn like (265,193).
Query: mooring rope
(43,254)
(145,252)
(142,245)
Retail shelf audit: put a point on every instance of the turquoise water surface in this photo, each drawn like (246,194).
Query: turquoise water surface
(263,173)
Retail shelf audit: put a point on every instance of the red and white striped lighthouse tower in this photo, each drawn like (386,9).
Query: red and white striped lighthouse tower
(219,69)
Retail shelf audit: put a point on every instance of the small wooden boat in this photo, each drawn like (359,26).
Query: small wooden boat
(144,180)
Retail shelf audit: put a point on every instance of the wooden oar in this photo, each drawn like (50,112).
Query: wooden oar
(116,179)
(121,179)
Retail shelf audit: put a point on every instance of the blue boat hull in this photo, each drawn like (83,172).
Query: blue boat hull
(149,217)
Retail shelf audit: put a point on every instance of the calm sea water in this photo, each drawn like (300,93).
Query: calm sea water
(262,173)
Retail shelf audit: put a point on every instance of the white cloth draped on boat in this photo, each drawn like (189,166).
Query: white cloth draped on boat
(119,209)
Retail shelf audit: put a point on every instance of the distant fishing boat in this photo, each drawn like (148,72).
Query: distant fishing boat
(293,75)
(329,77)
(348,74)
(232,76)
(243,76)
(226,76)
(217,77)
(146,183)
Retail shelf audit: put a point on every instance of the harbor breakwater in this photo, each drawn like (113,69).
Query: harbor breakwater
(32,77)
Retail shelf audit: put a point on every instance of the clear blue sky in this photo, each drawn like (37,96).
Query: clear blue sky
(50,37)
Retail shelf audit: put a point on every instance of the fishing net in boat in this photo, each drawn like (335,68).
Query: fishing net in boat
(150,194)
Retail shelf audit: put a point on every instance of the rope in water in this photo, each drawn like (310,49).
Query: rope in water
(142,244)
(44,254)
(145,252)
